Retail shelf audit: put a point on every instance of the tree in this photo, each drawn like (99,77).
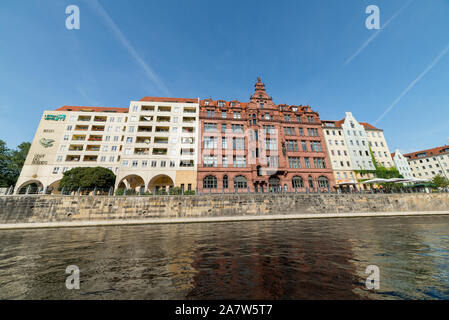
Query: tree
(440,182)
(87,177)
(11,162)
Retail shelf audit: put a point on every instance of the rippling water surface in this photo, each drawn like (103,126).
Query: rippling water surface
(296,259)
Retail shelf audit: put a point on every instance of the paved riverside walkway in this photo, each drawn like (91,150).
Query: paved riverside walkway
(96,223)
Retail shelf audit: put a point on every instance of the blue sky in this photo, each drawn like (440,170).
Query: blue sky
(307,52)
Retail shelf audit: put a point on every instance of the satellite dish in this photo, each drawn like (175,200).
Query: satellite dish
(147,141)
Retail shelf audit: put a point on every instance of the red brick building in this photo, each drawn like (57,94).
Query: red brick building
(260,146)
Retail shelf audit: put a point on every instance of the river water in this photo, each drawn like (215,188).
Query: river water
(295,259)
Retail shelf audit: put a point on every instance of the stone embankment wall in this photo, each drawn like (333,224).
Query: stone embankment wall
(24,209)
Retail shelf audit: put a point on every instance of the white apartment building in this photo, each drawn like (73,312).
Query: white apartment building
(154,135)
(426,164)
(160,144)
(401,163)
(357,142)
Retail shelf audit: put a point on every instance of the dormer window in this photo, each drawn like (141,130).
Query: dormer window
(206,103)
(295,109)
(221,104)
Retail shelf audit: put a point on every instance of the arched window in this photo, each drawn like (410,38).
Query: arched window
(225,182)
(210,182)
(297,182)
(323,182)
(240,182)
(310,182)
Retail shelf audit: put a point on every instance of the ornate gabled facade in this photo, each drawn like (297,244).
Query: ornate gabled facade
(260,146)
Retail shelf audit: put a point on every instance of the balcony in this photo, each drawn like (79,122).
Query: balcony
(81,128)
(84,118)
(95,138)
(163,109)
(142,151)
(188,130)
(188,119)
(100,118)
(146,118)
(93,148)
(159,151)
(161,140)
(146,140)
(90,158)
(76,137)
(144,129)
(162,119)
(76,147)
(186,163)
(189,110)
(188,140)
(73,158)
(162,129)
(187,152)
(147,108)
(97,128)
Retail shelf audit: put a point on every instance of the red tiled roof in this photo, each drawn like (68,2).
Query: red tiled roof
(428,152)
(92,109)
(163,99)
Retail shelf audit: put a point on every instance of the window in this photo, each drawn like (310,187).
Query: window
(307,162)
(239,161)
(323,182)
(124,163)
(240,182)
(223,116)
(224,143)
(210,142)
(55,170)
(297,182)
(238,143)
(210,127)
(225,182)
(59,159)
(134,163)
(210,182)
(237,128)
(237,115)
(210,113)
(294,162)
(225,161)
(210,161)
(271,144)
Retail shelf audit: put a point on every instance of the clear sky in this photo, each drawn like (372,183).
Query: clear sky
(307,52)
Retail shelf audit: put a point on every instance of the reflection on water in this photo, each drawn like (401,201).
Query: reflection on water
(298,259)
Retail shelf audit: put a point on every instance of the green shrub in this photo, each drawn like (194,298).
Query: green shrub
(175,191)
(189,192)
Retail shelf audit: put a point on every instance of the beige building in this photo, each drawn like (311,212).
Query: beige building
(348,143)
(426,164)
(154,135)
(160,145)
